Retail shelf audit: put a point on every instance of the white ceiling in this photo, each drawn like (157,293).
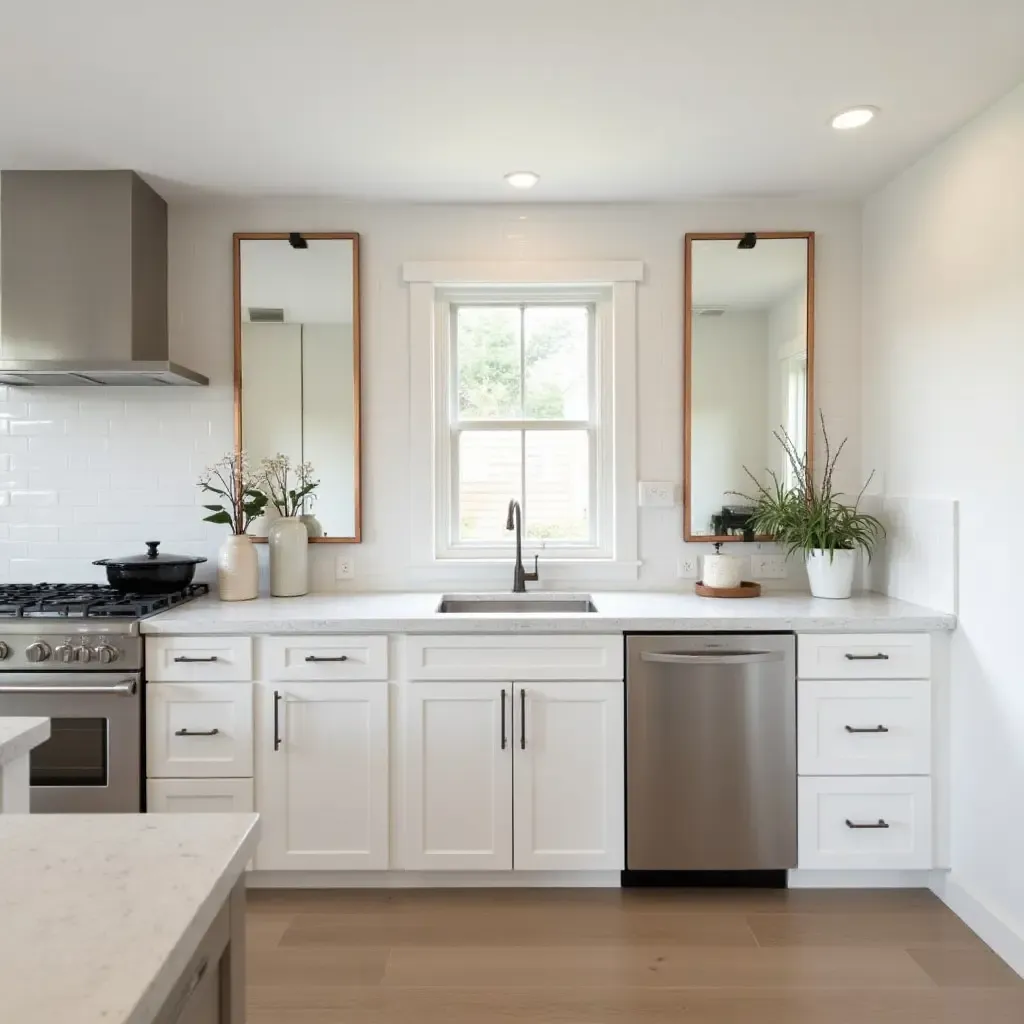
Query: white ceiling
(724,275)
(407,99)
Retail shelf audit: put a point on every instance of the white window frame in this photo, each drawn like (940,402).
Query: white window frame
(611,288)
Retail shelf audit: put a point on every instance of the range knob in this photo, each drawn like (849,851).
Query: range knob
(105,654)
(39,651)
(63,653)
(83,654)
(5,651)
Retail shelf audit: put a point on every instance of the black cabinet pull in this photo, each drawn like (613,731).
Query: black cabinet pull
(873,728)
(881,823)
(522,718)
(197,732)
(277,720)
(867,657)
(188,660)
(316,657)
(504,735)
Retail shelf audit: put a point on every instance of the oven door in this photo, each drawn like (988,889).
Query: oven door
(93,758)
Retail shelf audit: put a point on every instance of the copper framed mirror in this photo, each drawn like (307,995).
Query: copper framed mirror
(297,343)
(748,370)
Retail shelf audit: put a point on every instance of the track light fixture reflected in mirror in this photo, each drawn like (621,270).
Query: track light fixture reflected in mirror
(296,241)
(748,241)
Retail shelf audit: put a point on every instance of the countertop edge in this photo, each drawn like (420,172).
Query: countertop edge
(162,984)
(35,732)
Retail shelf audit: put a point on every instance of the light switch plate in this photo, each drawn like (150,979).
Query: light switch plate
(768,567)
(657,494)
(343,569)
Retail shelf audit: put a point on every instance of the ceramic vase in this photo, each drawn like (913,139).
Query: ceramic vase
(830,573)
(288,541)
(238,571)
(313,525)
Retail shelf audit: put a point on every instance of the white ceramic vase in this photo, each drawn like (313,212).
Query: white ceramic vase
(288,541)
(238,570)
(313,525)
(830,573)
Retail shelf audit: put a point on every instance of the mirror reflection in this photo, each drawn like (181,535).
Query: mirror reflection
(297,372)
(749,345)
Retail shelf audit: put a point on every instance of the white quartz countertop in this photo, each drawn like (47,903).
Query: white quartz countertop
(100,913)
(616,612)
(20,735)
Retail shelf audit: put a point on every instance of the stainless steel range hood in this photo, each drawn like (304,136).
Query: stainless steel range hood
(83,282)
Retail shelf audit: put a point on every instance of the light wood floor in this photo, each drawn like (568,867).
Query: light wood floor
(611,957)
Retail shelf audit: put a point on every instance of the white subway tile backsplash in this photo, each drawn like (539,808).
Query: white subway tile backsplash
(34,499)
(48,427)
(33,532)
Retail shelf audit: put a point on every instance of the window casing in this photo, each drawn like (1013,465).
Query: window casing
(515,447)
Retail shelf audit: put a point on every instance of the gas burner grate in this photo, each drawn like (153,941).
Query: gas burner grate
(86,600)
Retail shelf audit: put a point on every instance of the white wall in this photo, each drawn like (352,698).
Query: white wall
(173,434)
(729,410)
(943,415)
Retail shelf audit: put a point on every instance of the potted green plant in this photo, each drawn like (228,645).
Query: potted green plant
(808,516)
(238,577)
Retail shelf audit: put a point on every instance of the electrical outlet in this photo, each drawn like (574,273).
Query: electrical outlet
(687,567)
(657,494)
(768,567)
(343,569)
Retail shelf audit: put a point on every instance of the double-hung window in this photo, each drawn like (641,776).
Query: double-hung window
(524,413)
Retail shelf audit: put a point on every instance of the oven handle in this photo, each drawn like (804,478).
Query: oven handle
(126,688)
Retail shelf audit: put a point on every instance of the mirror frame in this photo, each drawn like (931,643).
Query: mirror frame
(348,236)
(700,236)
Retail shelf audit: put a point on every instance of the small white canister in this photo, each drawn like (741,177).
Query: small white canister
(722,571)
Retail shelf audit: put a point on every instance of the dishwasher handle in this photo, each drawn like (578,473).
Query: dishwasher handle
(709,658)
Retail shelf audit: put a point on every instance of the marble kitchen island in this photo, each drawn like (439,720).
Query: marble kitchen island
(123,919)
(18,738)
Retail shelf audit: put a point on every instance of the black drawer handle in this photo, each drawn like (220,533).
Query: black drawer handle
(881,823)
(188,660)
(277,720)
(504,735)
(867,657)
(197,732)
(873,728)
(317,657)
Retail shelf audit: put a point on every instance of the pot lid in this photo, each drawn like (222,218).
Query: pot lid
(152,557)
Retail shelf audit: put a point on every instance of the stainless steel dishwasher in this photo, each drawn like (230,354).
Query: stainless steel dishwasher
(710,752)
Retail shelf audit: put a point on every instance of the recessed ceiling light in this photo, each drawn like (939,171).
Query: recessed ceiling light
(855,117)
(522,179)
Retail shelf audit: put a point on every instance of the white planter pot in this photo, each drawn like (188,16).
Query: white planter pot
(830,573)
(313,525)
(288,540)
(238,571)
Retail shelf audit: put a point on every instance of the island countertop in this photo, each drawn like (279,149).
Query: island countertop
(100,913)
(19,736)
(616,613)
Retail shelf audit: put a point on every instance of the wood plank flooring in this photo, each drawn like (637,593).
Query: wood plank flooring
(586,956)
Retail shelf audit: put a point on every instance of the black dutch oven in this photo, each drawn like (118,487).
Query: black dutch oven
(151,573)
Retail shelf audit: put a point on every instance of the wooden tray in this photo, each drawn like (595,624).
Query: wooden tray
(745,589)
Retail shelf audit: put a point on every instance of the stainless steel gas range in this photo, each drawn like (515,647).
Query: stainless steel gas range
(73,653)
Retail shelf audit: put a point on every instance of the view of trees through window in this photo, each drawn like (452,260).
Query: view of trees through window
(518,368)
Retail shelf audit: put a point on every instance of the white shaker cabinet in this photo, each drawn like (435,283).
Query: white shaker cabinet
(322,775)
(199,796)
(458,777)
(568,776)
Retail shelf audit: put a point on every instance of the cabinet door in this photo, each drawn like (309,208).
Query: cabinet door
(458,776)
(191,796)
(322,776)
(568,771)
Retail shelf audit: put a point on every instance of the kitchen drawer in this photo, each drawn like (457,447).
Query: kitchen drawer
(199,658)
(864,727)
(336,658)
(507,658)
(894,815)
(199,730)
(864,656)
(199,796)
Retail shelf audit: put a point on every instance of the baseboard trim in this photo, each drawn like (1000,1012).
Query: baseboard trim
(1005,938)
(432,880)
(805,878)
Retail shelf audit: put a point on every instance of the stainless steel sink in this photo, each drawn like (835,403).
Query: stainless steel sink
(511,604)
